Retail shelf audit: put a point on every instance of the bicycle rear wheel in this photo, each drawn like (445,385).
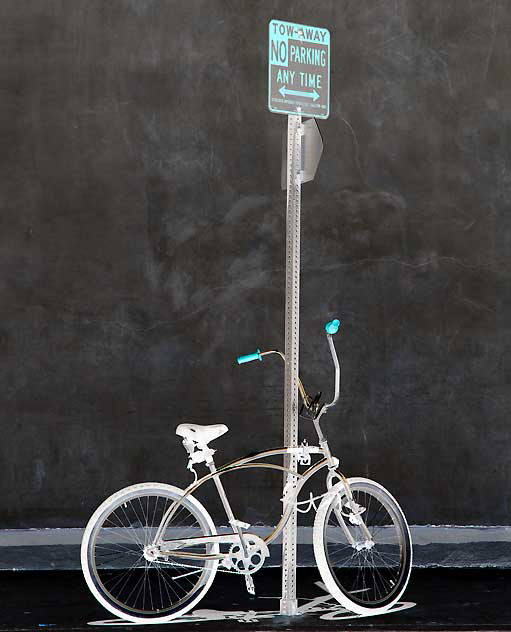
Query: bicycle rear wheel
(122,579)
(365,578)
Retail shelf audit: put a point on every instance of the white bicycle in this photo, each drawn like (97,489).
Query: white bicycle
(151,551)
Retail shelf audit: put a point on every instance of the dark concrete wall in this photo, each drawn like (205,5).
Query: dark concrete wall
(142,248)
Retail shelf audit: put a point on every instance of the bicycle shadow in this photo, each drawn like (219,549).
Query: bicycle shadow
(324,606)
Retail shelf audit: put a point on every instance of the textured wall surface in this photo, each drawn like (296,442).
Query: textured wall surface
(142,249)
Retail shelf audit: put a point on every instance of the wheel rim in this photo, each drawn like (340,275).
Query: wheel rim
(369,577)
(125,578)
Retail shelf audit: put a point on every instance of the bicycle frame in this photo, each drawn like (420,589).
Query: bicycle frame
(171,547)
(302,453)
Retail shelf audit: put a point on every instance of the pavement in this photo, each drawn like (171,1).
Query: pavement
(436,599)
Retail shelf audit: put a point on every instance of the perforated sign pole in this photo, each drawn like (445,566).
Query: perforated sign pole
(298,85)
(288,603)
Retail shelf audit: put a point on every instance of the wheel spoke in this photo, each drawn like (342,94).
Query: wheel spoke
(124,565)
(370,572)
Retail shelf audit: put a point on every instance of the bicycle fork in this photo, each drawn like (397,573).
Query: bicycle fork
(355,517)
(356,510)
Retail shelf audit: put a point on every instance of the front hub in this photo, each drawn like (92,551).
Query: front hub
(360,546)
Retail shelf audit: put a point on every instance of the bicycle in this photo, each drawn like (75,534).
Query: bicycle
(151,551)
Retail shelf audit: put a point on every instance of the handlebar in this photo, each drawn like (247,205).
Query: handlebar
(250,357)
(337,373)
(332,327)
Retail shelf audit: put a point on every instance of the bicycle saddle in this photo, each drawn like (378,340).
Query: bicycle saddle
(201,434)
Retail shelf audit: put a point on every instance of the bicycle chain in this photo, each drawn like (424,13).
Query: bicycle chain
(221,570)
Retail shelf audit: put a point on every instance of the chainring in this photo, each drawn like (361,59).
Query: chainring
(246,565)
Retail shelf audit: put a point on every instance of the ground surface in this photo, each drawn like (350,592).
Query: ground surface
(446,600)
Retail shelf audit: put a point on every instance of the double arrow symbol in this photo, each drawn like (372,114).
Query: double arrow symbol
(311,95)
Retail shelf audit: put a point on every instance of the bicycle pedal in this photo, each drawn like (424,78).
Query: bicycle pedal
(249,582)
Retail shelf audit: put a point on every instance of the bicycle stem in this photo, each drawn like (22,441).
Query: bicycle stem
(323,442)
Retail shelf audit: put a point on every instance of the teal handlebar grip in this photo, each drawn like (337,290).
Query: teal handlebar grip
(250,357)
(333,326)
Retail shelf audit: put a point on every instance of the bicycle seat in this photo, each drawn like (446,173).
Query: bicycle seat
(201,434)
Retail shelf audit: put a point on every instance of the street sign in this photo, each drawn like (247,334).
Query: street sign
(299,69)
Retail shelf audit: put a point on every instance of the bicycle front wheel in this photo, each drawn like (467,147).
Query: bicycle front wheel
(365,575)
(121,576)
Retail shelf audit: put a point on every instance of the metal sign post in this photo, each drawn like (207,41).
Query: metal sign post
(298,82)
(288,603)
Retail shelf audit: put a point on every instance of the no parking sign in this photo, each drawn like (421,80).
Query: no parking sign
(299,69)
